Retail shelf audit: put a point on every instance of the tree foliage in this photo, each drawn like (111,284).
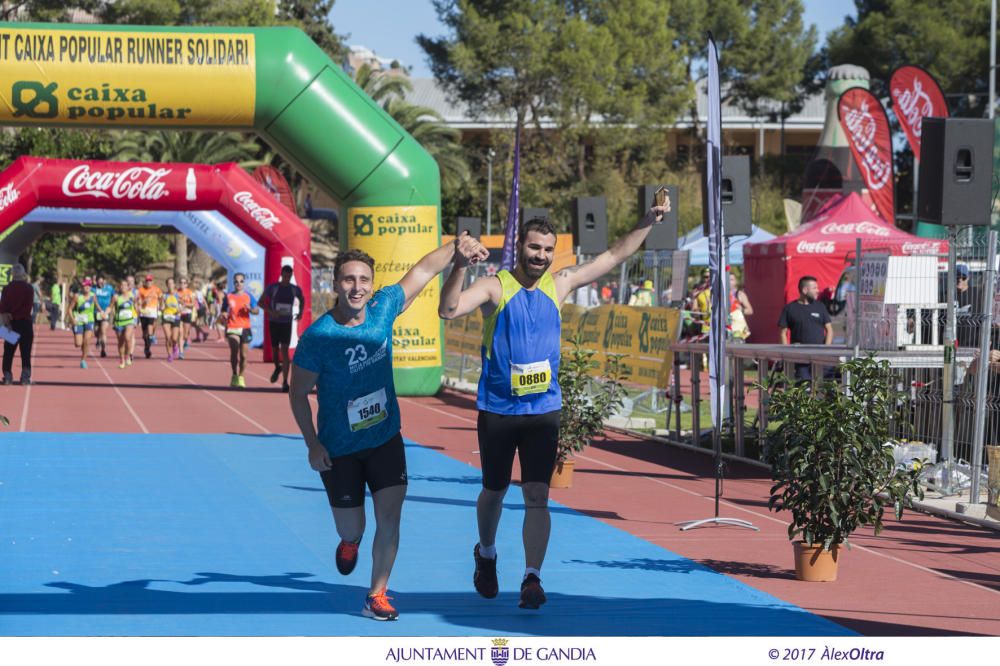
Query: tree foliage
(113,255)
(949,38)
(768,58)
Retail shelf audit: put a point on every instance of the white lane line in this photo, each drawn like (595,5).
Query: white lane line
(217,398)
(142,426)
(765,516)
(737,507)
(24,412)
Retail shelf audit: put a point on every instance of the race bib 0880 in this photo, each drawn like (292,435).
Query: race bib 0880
(529,378)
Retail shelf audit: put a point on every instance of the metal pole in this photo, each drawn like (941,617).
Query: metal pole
(993,59)
(857,297)
(948,383)
(621,285)
(678,396)
(983,366)
(656,278)
(489,191)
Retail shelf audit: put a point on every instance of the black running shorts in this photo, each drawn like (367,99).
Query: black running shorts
(148,321)
(535,437)
(281,333)
(381,467)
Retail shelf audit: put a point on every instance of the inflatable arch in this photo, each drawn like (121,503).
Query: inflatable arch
(32,182)
(227,244)
(274,81)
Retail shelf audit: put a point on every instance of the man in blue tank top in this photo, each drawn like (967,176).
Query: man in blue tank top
(347,354)
(519,398)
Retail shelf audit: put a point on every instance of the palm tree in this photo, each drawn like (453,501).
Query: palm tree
(423,124)
(188,147)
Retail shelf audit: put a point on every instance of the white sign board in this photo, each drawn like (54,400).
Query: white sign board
(873,274)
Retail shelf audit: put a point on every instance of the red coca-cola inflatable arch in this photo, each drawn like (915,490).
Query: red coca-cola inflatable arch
(30,182)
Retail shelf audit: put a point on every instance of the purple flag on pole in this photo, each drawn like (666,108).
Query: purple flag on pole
(509,257)
(716,240)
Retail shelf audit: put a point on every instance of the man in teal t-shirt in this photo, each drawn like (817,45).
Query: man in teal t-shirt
(347,355)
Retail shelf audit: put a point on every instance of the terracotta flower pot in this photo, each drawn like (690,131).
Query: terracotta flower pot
(815,565)
(562,475)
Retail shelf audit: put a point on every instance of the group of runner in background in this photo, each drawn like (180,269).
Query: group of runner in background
(185,313)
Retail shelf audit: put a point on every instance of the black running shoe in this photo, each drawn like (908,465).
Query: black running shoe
(275,375)
(347,557)
(284,388)
(532,594)
(485,577)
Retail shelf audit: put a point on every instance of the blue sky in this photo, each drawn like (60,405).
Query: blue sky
(389,27)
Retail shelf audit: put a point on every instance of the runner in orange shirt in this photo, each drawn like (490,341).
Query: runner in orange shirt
(189,303)
(149,298)
(237,307)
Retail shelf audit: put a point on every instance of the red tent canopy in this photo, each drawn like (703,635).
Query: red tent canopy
(822,248)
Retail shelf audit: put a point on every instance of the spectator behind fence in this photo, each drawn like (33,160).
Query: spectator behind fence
(16,302)
(967,307)
(739,310)
(643,296)
(608,293)
(805,321)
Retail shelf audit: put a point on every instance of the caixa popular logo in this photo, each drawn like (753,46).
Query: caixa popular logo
(134,183)
(8,195)
(265,217)
(34,99)
(500,653)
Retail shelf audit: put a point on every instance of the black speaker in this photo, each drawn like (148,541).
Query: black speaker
(956,171)
(474,225)
(532,213)
(735,185)
(590,224)
(662,236)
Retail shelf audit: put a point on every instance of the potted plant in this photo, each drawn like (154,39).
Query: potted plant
(586,401)
(831,464)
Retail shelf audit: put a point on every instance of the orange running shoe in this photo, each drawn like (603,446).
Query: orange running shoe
(377,607)
(347,557)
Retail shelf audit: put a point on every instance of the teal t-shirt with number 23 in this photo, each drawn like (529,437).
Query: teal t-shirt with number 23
(357,399)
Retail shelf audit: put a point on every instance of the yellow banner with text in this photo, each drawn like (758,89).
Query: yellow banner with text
(398,237)
(642,335)
(126,78)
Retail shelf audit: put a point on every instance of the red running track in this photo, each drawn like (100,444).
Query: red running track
(923,575)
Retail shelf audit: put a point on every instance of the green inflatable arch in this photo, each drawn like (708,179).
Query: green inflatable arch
(275,81)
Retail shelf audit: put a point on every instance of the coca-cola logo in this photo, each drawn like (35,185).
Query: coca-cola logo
(926,247)
(855,228)
(8,195)
(913,105)
(134,183)
(817,247)
(265,217)
(862,128)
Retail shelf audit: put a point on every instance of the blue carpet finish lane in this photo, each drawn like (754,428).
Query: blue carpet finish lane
(111,534)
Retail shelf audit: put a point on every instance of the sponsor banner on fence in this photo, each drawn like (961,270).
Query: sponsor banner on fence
(642,335)
(399,236)
(126,78)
